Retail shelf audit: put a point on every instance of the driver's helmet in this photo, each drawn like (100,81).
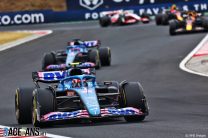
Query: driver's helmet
(76,83)
(173,7)
(192,14)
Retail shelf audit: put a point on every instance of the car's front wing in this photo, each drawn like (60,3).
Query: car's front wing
(183,30)
(106,112)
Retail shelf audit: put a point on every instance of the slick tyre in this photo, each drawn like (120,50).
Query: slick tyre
(205,23)
(104,21)
(105,56)
(133,97)
(165,20)
(147,16)
(43,102)
(94,58)
(158,19)
(48,59)
(23,105)
(172,27)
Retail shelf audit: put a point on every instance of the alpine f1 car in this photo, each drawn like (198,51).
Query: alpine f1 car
(121,17)
(79,51)
(192,21)
(164,17)
(78,97)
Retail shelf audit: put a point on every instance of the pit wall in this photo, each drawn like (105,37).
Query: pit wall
(84,10)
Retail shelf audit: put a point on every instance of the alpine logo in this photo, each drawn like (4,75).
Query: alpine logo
(91,4)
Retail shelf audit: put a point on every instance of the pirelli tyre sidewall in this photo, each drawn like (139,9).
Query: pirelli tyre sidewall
(93,56)
(205,23)
(165,19)
(173,26)
(105,56)
(43,102)
(48,59)
(23,104)
(158,19)
(133,96)
(105,21)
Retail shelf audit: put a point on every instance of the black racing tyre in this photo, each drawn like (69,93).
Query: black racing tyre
(48,59)
(145,15)
(105,56)
(205,23)
(105,21)
(172,27)
(158,19)
(165,19)
(93,56)
(133,97)
(43,102)
(23,105)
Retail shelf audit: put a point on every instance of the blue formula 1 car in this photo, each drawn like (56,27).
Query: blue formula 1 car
(79,51)
(78,97)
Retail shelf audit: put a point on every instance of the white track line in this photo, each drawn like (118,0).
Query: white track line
(26,39)
(190,55)
(47,134)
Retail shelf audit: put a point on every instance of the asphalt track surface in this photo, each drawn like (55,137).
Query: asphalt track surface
(146,53)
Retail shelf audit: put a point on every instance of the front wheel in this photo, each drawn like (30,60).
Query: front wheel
(133,97)
(43,102)
(23,104)
(104,21)
(173,27)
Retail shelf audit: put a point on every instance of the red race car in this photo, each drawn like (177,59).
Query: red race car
(121,17)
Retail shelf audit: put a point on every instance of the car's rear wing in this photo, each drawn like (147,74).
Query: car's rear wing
(88,44)
(48,76)
(57,75)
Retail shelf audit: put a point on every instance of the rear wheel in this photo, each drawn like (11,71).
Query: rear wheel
(158,19)
(48,59)
(23,104)
(133,97)
(105,56)
(205,23)
(104,21)
(165,20)
(43,102)
(94,58)
(145,16)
